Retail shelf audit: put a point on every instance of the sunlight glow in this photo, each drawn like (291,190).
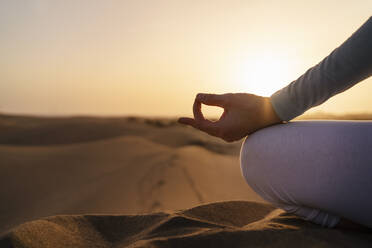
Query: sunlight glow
(263,74)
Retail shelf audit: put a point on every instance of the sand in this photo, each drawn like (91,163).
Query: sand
(134,182)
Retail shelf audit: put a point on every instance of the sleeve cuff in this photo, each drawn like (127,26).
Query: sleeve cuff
(283,106)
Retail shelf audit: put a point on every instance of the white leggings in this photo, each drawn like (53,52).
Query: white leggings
(318,170)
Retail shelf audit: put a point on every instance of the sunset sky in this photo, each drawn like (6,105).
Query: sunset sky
(151,57)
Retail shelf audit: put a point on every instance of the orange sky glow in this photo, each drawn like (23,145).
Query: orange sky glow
(150,58)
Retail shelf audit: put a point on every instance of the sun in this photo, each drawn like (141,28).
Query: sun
(263,74)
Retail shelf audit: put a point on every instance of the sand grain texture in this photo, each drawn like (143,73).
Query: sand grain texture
(223,224)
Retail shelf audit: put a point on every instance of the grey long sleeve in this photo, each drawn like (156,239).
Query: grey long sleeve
(347,65)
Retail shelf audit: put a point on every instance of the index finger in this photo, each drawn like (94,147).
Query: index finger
(212,99)
(198,115)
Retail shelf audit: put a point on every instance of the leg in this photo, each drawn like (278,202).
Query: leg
(319,170)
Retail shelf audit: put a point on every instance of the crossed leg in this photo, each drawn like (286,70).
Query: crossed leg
(318,170)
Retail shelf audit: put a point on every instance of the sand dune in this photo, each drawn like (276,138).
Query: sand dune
(127,174)
(123,175)
(36,131)
(224,224)
(120,182)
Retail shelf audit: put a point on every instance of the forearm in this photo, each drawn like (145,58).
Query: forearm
(344,67)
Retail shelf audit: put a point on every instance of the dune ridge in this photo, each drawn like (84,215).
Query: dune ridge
(41,131)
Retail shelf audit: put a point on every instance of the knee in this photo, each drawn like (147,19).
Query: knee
(263,169)
(250,160)
(256,165)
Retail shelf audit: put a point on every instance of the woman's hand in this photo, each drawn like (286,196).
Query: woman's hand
(243,114)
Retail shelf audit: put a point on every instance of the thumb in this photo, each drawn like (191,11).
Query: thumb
(212,99)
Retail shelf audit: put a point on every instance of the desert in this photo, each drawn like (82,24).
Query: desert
(137,182)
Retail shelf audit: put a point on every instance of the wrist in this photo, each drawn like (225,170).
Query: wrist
(270,116)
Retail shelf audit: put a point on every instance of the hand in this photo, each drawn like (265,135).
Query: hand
(243,114)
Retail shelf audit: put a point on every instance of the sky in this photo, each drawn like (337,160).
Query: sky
(150,58)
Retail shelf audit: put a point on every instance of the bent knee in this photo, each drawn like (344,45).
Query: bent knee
(266,167)
(257,165)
